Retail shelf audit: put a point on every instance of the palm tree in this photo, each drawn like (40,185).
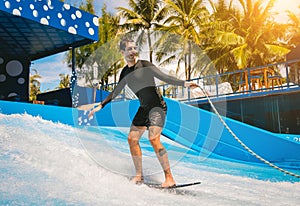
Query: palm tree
(106,57)
(64,81)
(293,36)
(219,36)
(143,16)
(294,29)
(184,20)
(250,39)
(101,54)
(34,85)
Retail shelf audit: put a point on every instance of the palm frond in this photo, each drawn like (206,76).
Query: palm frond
(277,50)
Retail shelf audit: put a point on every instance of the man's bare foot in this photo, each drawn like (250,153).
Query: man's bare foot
(168,183)
(137,179)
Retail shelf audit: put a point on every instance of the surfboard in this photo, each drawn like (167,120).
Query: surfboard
(158,186)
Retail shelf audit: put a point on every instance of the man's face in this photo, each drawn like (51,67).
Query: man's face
(130,52)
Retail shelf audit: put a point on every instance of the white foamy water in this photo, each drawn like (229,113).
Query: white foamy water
(45,163)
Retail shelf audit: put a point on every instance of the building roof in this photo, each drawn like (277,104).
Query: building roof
(36,29)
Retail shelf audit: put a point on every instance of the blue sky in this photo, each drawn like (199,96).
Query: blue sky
(50,67)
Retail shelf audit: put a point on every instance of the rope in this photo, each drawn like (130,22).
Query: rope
(243,144)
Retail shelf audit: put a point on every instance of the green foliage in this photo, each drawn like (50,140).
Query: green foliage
(183,22)
(238,34)
(64,81)
(34,85)
(143,16)
(293,29)
(102,54)
(248,38)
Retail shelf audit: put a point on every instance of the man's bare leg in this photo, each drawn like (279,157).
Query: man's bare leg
(161,153)
(133,140)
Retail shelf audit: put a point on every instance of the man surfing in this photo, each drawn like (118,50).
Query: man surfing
(139,76)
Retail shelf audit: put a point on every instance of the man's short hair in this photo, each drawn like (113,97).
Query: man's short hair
(123,43)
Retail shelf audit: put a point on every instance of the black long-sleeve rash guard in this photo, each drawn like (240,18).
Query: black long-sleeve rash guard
(140,79)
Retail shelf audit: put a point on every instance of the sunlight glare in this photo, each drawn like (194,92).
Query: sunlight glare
(281,6)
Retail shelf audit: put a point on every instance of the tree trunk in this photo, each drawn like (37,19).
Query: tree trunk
(150,45)
(189,61)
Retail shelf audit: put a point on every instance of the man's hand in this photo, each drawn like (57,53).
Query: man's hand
(96,109)
(191,85)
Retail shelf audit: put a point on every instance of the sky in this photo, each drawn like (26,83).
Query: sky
(50,67)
